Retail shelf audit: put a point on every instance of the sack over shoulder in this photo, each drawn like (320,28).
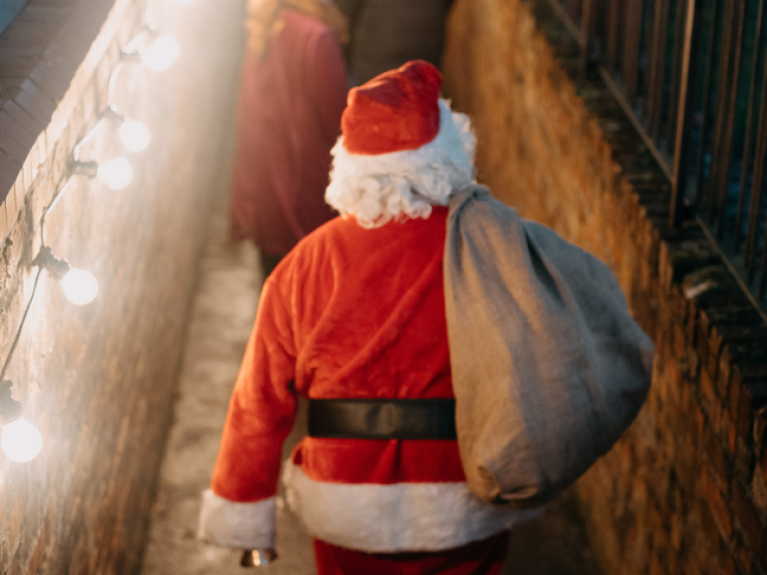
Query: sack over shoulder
(548,366)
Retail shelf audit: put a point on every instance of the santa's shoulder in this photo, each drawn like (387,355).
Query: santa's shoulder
(343,241)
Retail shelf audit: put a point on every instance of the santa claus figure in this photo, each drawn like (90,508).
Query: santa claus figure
(353,319)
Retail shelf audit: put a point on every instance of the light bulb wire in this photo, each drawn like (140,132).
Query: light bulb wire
(131,52)
(150,16)
(151,28)
(62,190)
(113,79)
(87,138)
(60,193)
(21,325)
(110,105)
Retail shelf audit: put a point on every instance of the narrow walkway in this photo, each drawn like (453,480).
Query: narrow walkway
(221,321)
(222,318)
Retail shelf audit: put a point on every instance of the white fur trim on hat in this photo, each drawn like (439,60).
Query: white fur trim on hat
(244,525)
(377,189)
(395,518)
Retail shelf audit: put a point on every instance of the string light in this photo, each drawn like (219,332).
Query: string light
(134,135)
(159,55)
(21,441)
(116,173)
(80,286)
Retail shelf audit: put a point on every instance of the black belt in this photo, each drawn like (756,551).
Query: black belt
(382,418)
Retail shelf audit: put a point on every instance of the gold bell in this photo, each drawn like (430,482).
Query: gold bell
(258,557)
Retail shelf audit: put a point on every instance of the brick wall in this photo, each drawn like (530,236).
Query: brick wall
(684,490)
(98,380)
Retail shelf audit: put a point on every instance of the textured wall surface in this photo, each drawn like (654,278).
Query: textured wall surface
(684,490)
(98,380)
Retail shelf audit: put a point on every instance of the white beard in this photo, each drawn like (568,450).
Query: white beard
(377,189)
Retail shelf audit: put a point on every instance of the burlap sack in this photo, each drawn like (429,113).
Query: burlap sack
(548,366)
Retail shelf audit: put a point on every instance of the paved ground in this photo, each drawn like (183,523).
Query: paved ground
(222,318)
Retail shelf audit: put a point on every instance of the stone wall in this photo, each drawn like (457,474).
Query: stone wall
(684,490)
(98,380)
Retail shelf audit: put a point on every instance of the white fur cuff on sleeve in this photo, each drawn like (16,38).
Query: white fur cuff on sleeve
(230,524)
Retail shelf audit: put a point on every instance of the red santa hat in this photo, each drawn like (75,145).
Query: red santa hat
(393,112)
(402,150)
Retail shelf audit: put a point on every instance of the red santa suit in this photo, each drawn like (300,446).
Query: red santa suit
(357,310)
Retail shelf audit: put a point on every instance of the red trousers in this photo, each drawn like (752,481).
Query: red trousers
(479,558)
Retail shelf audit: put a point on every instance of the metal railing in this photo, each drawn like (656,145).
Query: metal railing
(692,77)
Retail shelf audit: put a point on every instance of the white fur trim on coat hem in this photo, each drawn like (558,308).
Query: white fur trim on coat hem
(244,525)
(395,518)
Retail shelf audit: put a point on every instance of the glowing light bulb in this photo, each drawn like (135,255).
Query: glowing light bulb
(21,441)
(161,54)
(116,173)
(80,286)
(135,136)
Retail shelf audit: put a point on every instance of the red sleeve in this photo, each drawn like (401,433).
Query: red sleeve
(327,82)
(262,407)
